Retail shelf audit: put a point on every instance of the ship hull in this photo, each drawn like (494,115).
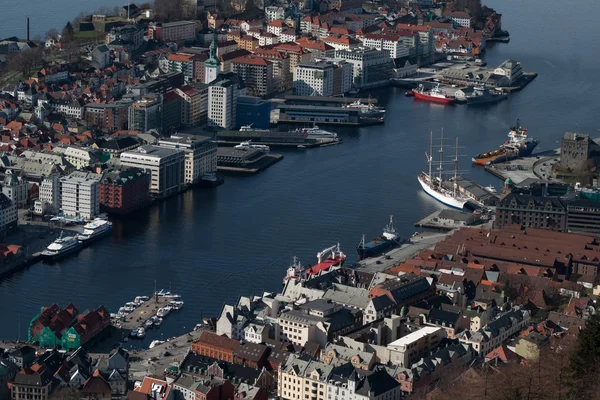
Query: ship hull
(485,99)
(375,250)
(426,97)
(447,200)
(525,152)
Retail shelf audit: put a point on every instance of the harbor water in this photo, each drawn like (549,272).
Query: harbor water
(212,246)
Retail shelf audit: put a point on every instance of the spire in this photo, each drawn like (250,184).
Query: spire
(213,60)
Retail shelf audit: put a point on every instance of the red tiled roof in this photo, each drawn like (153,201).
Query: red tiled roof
(223,342)
(341,40)
(181,57)
(503,353)
(277,23)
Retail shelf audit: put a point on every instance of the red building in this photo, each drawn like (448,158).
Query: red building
(123,191)
(215,346)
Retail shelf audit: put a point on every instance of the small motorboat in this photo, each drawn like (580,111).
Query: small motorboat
(157,321)
(176,305)
(148,323)
(409,93)
(155,343)
(141,332)
(134,333)
(490,188)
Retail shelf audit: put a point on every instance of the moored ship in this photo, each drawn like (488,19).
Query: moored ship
(315,132)
(62,247)
(518,145)
(335,258)
(435,95)
(94,230)
(388,240)
(480,95)
(249,145)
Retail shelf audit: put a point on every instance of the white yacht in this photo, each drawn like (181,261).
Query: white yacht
(249,128)
(141,332)
(95,229)
(249,145)
(61,247)
(317,133)
(176,305)
(157,321)
(163,312)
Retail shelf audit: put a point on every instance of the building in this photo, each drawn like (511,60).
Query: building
(578,152)
(96,388)
(129,37)
(30,383)
(212,65)
(300,377)
(253,111)
(81,157)
(194,106)
(257,74)
(273,13)
(182,62)
(583,216)
(166,167)
(542,212)
(171,111)
(276,27)
(15,188)
(370,67)
(342,76)
(510,69)
(126,190)
(212,345)
(49,200)
(80,195)
(178,31)
(296,53)
(101,57)
(107,117)
(393,44)
(337,355)
(200,154)
(409,349)
(145,114)
(281,67)
(314,79)
(223,96)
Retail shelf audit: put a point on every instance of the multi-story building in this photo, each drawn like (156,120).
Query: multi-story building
(192,108)
(512,70)
(546,212)
(177,31)
(81,157)
(145,114)
(409,349)
(125,190)
(32,384)
(393,44)
(426,46)
(15,188)
(317,48)
(49,194)
(223,96)
(171,111)
(130,37)
(69,108)
(212,65)
(80,194)
(200,154)
(108,117)
(281,67)
(460,18)
(341,42)
(314,79)
(578,151)
(273,13)
(370,67)
(276,27)
(583,216)
(165,165)
(101,57)
(288,36)
(253,111)
(8,215)
(182,62)
(248,42)
(296,53)
(212,345)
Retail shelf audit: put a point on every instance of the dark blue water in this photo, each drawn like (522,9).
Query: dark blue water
(213,246)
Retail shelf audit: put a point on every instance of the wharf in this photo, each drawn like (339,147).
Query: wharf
(325,101)
(536,167)
(447,220)
(251,167)
(410,248)
(146,310)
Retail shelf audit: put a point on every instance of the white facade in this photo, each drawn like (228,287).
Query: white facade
(393,44)
(78,157)
(313,79)
(200,154)
(287,36)
(414,346)
(80,194)
(166,167)
(50,193)
(222,104)
(273,12)
(254,333)
(15,188)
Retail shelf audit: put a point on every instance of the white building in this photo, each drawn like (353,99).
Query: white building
(255,333)
(49,194)
(80,194)
(393,44)
(370,67)
(288,36)
(8,214)
(313,79)
(409,349)
(15,188)
(80,157)
(274,12)
(222,101)
(460,18)
(200,154)
(165,165)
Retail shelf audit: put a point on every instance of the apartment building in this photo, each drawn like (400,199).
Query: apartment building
(165,165)
(314,79)
(32,384)
(184,63)
(296,53)
(145,114)
(8,215)
(370,67)
(81,157)
(222,100)
(281,67)
(109,117)
(409,349)
(49,200)
(177,31)
(257,74)
(80,194)
(393,44)
(200,154)
(126,190)
(194,106)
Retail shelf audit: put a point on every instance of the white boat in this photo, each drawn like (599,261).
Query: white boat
(434,185)
(249,128)
(163,293)
(173,295)
(132,304)
(94,230)
(368,108)
(141,332)
(61,247)
(134,332)
(155,343)
(141,299)
(316,133)
(163,312)
(157,321)
(176,305)
(490,188)
(248,145)
(149,323)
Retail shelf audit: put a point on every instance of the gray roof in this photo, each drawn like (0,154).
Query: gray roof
(304,366)
(345,354)
(381,302)
(348,295)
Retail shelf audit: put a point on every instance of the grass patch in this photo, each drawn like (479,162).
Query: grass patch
(88,35)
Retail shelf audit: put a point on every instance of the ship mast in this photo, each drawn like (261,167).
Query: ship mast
(430,153)
(456,167)
(441,154)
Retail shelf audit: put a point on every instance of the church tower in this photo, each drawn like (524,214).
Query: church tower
(212,65)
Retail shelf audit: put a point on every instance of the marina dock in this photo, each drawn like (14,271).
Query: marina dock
(146,310)
(536,167)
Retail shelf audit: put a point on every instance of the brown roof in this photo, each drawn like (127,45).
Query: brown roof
(96,384)
(223,342)
(251,60)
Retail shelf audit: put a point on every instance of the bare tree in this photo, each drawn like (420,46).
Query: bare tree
(52,34)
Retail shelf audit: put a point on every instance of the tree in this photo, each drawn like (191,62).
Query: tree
(68,33)
(169,10)
(52,34)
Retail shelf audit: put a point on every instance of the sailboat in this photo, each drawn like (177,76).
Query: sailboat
(434,185)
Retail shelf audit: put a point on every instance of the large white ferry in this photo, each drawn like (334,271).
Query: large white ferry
(61,247)
(94,230)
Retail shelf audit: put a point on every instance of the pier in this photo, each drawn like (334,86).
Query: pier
(447,220)
(146,310)
(536,167)
(248,161)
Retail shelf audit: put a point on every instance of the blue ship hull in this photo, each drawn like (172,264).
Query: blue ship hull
(375,248)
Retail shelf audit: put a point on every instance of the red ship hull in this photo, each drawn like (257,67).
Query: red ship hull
(426,97)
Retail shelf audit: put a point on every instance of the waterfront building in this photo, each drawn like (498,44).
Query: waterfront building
(15,188)
(211,345)
(578,152)
(460,18)
(370,67)
(510,69)
(426,47)
(583,216)
(223,96)
(177,31)
(314,79)
(257,74)
(165,165)
(49,193)
(125,190)
(192,106)
(145,114)
(253,111)
(107,117)
(393,44)
(409,349)
(171,111)
(200,154)
(342,76)
(545,212)
(80,194)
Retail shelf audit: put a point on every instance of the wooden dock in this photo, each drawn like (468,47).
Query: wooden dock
(143,312)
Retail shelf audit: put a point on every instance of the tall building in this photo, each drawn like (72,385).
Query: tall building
(370,67)
(177,31)
(8,215)
(145,114)
(281,67)
(393,44)
(171,112)
(257,74)
(30,383)
(313,79)
(212,65)
(223,96)
(49,194)
(80,194)
(109,117)
(532,211)
(191,106)
(182,62)
(165,165)
(200,154)
(578,152)
(15,188)
(126,190)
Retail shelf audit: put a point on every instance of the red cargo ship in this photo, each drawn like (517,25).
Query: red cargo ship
(435,95)
(335,259)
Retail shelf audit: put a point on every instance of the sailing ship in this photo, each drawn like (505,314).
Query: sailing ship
(446,192)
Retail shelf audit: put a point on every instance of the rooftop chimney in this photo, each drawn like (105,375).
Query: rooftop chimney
(28,29)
